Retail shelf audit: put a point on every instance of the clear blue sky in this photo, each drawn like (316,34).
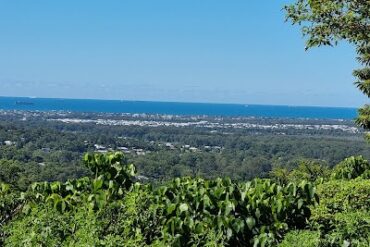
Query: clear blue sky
(164,50)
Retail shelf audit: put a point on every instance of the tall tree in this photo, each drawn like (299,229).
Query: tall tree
(326,22)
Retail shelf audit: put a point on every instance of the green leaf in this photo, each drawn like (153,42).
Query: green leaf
(229,233)
(258,213)
(183,207)
(238,225)
(251,222)
(171,208)
(228,207)
(97,184)
(199,228)
(279,205)
(300,203)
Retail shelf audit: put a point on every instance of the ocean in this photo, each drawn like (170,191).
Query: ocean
(123,106)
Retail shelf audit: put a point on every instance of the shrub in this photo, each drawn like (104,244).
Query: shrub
(11,203)
(112,178)
(351,168)
(301,238)
(309,170)
(257,212)
(342,216)
(45,226)
(340,196)
(351,229)
(109,209)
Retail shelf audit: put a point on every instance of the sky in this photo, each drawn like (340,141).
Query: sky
(164,50)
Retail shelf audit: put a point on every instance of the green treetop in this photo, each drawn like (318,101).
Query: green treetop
(326,22)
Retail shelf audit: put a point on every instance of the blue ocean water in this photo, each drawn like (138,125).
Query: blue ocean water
(122,106)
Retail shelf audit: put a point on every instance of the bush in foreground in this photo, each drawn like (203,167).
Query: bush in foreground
(111,209)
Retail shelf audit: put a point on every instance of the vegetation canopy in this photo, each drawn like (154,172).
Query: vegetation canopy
(111,208)
(326,22)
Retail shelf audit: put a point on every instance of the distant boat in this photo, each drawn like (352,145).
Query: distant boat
(24,103)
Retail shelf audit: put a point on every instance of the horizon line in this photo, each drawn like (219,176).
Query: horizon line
(181,102)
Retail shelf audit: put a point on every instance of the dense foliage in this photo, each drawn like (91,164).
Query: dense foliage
(342,217)
(111,208)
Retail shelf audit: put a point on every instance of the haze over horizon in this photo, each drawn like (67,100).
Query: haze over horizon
(219,52)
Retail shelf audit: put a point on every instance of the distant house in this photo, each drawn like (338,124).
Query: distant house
(99,147)
(122,149)
(45,150)
(9,143)
(169,145)
(217,147)
(140,152)
(142,178)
